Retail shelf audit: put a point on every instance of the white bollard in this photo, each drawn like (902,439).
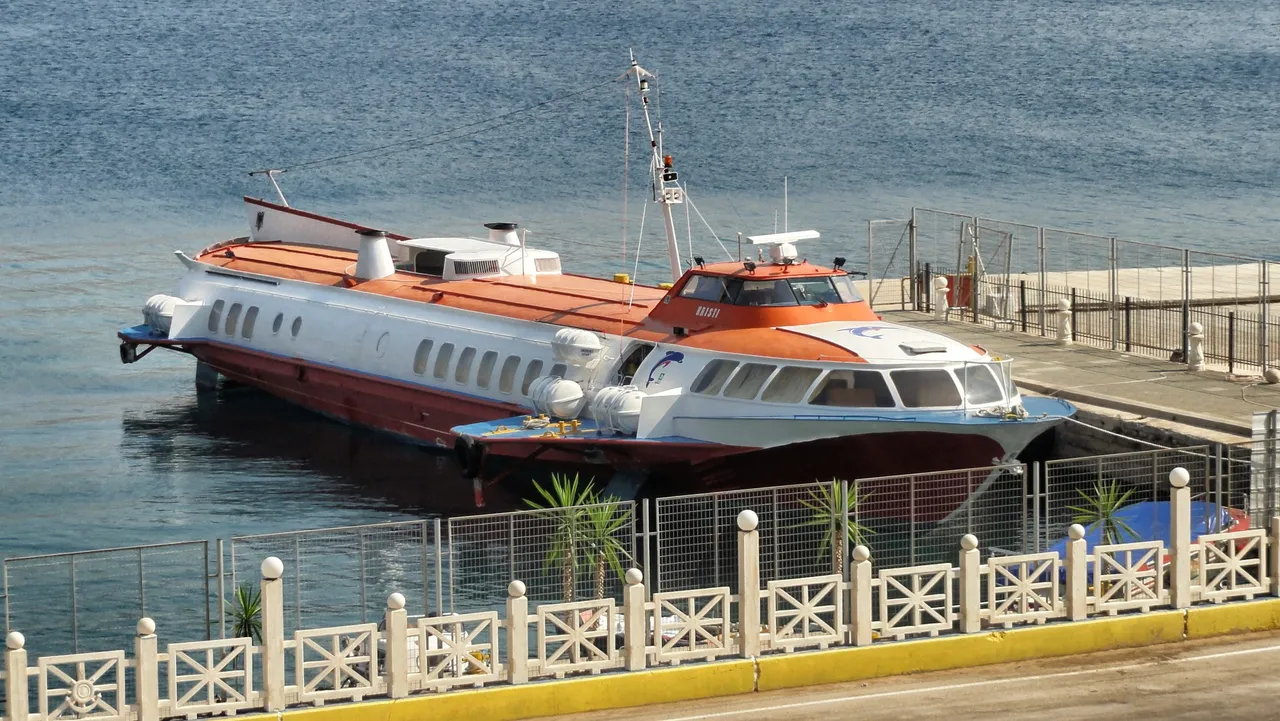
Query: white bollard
(634,628)
(396,620)
(860,603)
(1180,539)
(272,599)
(748,584)
(940,307)
(15,680)
(146,652)
(517,633)
(970,585)
(1077,574)
(1064,322)
(1195,347)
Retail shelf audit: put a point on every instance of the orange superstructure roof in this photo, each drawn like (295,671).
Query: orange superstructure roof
(583,302)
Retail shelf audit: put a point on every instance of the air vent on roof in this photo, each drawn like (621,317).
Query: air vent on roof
(475,267)
(921,347)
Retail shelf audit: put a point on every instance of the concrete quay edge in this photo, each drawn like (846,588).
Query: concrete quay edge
(733,677)
(1143,409)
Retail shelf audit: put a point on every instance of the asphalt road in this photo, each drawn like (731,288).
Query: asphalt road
(1230,678)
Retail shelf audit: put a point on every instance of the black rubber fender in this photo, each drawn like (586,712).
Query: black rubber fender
(470,456)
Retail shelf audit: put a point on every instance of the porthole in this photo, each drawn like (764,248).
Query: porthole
(531,373)
(250,319)
(233,317)
(297,326)
(215,316)
(277,323)
(507,377)
(487,362)
(462,374)
(420,357)
(442,361)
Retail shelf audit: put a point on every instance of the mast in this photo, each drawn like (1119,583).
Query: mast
(666,191)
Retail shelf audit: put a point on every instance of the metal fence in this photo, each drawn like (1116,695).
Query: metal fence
(1125,295)
(333,570)
(88,599)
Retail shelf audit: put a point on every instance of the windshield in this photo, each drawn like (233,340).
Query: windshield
(782,291)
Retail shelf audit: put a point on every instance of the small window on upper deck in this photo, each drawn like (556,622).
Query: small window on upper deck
(853,389)
(789,385)
(215,315)
(233,317)
(713,376)
(926,388)
(487,362)
(442,361)
(707,287)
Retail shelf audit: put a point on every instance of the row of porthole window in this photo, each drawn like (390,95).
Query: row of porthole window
(484,374)
(250,320)
(922,388)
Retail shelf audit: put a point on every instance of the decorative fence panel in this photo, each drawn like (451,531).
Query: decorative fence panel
(1129,575)
(85,685)
(1022,589)
(211,677)
(456,650)
(691,625)
(806,612)
(570,636)
(336,662)
(916,600)
(1233,565)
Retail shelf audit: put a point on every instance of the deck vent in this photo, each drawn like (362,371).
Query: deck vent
(374,258)
(504,233)
(920,348)
(475,267)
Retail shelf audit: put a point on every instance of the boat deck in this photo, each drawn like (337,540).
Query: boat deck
(593,303)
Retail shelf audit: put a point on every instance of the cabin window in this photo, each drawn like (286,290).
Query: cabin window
(748,381)
(487,361)
(442,361)
(558,370)
(215,316)
(926,388)
(765,293)
(233,317)
(707,287)
(531,374)
(789,385)
(845,288)
(297,326)
(250,318)
(853,389)
(713,376)
(979,385)
(507,376)
(462,373)
(277,323)
(421,356)
(814,291)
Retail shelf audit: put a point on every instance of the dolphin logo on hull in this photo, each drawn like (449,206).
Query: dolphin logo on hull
(671,356)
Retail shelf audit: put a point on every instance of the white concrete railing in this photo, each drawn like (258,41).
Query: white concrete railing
(355,662)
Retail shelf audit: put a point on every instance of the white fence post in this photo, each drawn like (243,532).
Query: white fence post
(517,633)
(748,584)
(860,597)
(272,600)
(1274,540)
(1077,574)
(970,585)
(397,669)
(1064,322)
(15,680)
(633,624)
(1180,539)
(1195,347)
(146,651)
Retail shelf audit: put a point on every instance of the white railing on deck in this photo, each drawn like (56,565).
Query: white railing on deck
(351,663)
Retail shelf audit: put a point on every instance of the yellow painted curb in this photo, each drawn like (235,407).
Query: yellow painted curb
(948,652)
(1206,621)
(552,698)
(739,676)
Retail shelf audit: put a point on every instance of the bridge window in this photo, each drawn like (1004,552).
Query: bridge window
(708,287)
(250,318)
(507,376)
(215,315)
(442,361)
(789,385)
(748,381)
(853,389)
(487,361)
(926,388)
(233,317)
(421,356)
(847,291)
(713,376)
(979,385)
(531,373)
(765,293)
(815,291)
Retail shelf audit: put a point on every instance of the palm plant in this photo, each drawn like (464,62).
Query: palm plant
(827,511)
(602,524)
(1101,509)
(244,611)
(562,503)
